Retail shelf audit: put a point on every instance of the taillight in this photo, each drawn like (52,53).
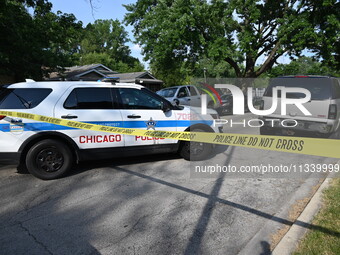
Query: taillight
(2,116)
(332,112)
(261,104)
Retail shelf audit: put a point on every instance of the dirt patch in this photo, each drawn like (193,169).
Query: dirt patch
(294,213)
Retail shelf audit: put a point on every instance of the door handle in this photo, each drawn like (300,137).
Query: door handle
(69,116)
(133,116)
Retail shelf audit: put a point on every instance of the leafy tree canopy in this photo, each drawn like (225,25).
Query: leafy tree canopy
(303,65)
(38,42)
(104,42)
(31,42)
(237,32)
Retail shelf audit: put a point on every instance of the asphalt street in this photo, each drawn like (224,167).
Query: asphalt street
(153,205)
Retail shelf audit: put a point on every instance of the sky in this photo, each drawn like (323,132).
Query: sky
(102,9)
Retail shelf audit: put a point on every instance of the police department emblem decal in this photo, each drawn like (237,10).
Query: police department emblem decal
(150,124)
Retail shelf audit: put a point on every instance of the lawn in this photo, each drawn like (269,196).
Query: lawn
(326,239)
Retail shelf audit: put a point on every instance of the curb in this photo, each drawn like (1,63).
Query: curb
(263,236)
(290,240)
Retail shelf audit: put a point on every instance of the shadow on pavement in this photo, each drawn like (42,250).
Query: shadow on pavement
(265,248)
(51,215)
(196,238)
(193,246)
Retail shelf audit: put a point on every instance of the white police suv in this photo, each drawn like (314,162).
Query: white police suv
(48,151)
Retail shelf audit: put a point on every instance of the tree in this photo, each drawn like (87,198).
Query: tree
(105,59)
(325,16)
(177,73)
(303,65)
(104,42)
(174,74)
(239,32)
(32,44)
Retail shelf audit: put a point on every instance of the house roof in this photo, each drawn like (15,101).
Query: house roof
(128,76)
(137,77)
(76,73)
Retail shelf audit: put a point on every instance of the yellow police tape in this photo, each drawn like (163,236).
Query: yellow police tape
(309,146)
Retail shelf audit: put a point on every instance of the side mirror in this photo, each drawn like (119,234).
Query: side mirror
(166,107)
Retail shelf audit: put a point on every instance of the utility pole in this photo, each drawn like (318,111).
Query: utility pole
(205,75)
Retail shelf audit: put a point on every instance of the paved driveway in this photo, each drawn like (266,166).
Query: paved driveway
(150,205)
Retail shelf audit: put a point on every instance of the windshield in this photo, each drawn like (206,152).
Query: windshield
(167,92)
(320,88)
(22,98)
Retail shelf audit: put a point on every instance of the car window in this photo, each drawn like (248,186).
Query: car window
(336,89)
(192,91)
(139,99)
(320,88)
(167,92)
(182,92)
(89,98)
(22,98)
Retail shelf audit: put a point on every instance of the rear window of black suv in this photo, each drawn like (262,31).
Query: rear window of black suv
(22,98)
(320,88)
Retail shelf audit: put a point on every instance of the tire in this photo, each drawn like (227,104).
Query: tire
(266,131)
(195,151)
(49,159)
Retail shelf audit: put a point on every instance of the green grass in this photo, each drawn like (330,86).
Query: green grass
(318,242)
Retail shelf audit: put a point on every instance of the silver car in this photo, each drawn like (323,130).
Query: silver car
(181,95)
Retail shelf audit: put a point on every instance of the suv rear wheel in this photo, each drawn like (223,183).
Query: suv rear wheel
(49,159)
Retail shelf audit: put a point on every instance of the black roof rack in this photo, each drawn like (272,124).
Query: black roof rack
(113,80)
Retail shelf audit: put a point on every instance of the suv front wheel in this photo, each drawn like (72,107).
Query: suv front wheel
(195,151)
(49,159)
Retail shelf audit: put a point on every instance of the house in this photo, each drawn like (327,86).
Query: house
(143,78)
(97,72)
